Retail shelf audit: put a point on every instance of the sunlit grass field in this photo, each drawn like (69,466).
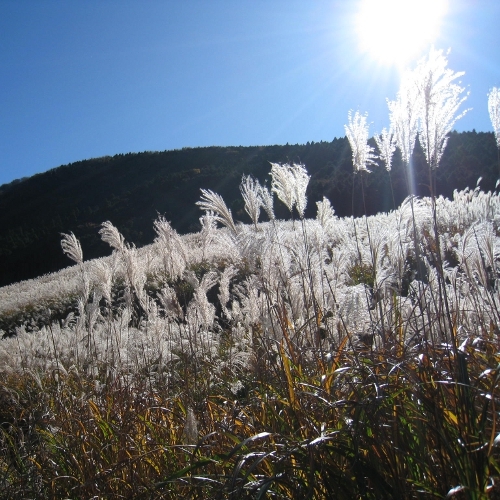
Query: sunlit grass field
(352,358)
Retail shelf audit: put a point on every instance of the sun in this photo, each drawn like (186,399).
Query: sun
(395,31)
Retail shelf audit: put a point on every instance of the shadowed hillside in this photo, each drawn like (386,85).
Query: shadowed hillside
(131,189)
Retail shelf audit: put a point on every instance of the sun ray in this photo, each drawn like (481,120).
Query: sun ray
(395,31)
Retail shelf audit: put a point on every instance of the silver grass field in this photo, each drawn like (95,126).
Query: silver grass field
(302,358)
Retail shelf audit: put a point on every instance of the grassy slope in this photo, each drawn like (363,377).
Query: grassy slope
(130,190)
(290,393)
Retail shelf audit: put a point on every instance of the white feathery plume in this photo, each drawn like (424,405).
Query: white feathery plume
(404,114)
(208,281)
(171,306)
(301,180)
(166,233)
(325,212)
(224,296)
(494,111)
(250,298)
(251,192)
(204,310)
(267,202)
(282,184)
(357,133)
(211,201)
(135,269)
(205,238)
(208,226)
(72,248)
(440,99)
(386,146)
(103,275)
(171,248)
(111,236)
(290,184)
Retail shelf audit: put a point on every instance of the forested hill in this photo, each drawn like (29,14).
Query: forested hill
(130,190)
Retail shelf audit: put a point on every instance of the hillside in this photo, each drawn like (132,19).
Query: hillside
(130,190)
(326,357)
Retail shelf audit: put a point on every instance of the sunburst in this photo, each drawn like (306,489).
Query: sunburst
(395,31)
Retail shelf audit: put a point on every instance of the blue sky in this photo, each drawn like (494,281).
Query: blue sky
(83,79)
